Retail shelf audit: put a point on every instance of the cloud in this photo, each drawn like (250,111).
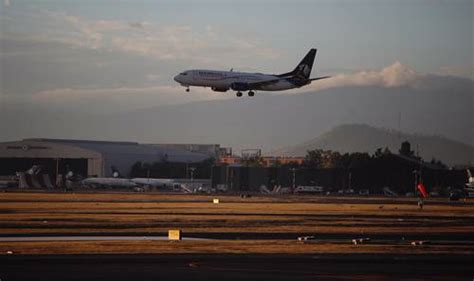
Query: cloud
(6,3)
(394,75)
(464,71)
(171,42)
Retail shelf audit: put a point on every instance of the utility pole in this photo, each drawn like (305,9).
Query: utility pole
(192,173)
(293,170)
(415,172)
(350,180)
(58,184)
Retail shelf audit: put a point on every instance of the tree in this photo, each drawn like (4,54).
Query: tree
(438,163)
(314,158)
(359,160)
(379,152)
(405,149)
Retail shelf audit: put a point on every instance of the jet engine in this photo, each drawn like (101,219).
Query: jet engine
(216,89)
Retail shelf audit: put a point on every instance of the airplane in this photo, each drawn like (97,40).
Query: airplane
(222,81)
(470,182)
(107,182)
(157,183)
(469,185)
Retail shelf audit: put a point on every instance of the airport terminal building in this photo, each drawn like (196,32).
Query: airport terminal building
(86,157)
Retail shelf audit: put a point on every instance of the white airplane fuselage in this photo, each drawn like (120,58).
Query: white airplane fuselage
(222,81)
(107,182)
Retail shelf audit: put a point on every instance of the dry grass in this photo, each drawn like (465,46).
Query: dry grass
(119,213)
(219,247)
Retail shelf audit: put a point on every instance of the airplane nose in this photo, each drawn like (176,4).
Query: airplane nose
(176,78)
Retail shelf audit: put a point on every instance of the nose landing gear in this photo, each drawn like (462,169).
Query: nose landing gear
(187,89)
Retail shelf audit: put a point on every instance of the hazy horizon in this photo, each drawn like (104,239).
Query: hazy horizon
(67,64)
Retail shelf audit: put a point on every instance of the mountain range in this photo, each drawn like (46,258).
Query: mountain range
(364,138)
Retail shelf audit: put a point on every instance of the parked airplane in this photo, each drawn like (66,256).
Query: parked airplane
(157,183)
(107,182)
(469,188)
(222,81)
(470,180)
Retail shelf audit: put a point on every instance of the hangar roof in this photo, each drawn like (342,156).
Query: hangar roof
(120,149)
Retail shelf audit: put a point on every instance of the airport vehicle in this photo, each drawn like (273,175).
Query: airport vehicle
(309,189)
(222,81)
(388,192)
(456,194)
(364,192)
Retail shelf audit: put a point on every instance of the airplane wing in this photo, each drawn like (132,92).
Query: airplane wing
(263,83)
(244,86)
(319,78)
(256,85)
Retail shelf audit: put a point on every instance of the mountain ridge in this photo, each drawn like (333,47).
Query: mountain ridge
(363,138)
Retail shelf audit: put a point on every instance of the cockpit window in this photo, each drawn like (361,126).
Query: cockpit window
(184,73)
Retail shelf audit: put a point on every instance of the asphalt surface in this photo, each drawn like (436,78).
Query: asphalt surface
(88,238)
(236,267)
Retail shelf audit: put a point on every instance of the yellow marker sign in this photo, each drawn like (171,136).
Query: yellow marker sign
(174,234)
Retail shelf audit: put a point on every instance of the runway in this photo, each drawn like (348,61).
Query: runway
(318,238)
(236,267)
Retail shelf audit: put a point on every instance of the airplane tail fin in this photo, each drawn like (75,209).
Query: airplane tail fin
(469,173)
(303,70)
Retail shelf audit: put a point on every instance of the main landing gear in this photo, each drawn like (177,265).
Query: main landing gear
(250,93)
(187,89)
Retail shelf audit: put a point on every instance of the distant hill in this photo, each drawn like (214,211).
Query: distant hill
(364,138)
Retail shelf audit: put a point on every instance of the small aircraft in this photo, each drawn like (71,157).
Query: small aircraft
(222,81)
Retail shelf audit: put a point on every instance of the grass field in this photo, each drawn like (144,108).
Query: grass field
(155,213)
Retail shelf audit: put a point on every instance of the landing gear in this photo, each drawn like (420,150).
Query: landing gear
(239,94)
(187,89)
(251,93)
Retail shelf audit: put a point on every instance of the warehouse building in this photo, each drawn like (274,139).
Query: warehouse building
(85,157)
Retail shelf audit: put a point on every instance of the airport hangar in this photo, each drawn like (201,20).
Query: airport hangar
(86,157)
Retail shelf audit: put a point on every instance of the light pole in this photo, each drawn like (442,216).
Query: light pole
(350,180)
(293,170)
(192,173)
(415,172)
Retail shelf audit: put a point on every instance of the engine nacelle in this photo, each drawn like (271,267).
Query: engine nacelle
(240,86)
(215,89)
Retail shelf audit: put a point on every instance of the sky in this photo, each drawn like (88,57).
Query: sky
(112,56)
